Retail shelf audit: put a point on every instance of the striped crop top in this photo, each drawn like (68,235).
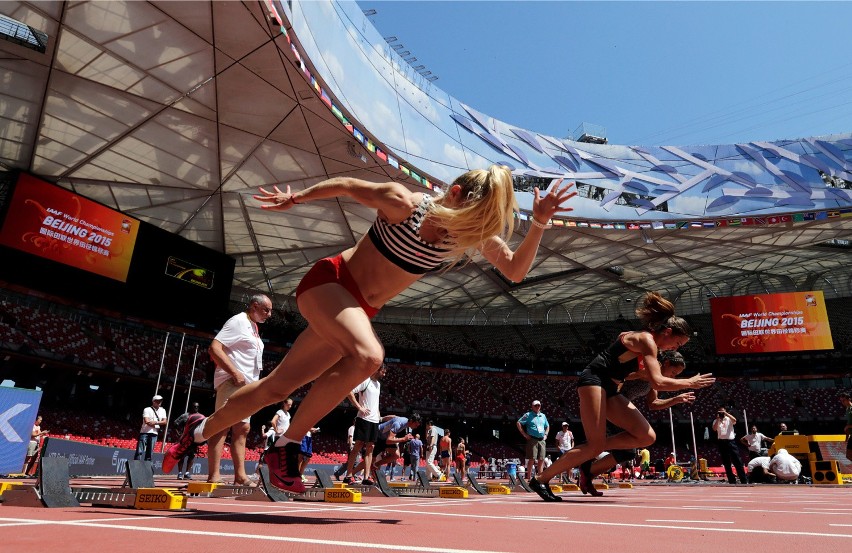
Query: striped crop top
(402,245)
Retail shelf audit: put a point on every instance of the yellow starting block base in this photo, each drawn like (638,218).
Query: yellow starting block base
(342,495)
(497,489)
(398,484)
(570,488)
(626,485)
(453,492)
(601,486)
(4,486)
(159,499)
(201,488)
(556,488)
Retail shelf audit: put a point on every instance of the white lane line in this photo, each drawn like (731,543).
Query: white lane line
(690,521)
(340,543)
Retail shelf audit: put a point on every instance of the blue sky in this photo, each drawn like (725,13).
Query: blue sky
(650,72)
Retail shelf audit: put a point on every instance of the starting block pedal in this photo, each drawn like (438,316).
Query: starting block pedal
(201,488)
(159,499)
(452,492)
(497,489)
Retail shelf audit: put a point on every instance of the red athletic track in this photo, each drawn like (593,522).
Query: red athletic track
(656,518)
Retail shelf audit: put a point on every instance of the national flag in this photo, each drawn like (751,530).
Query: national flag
(798,217)
(784,219)
(392,161)
(846,212)
(772,220)
(645,226)
(721,223)
(747,221)
(557,222)
(608,226)
(337,113)
(759,221)
(381,155)
(632,226)
(415,176)
(427,184)
(570,223)
(404,169)
(682,224)
(833,214)
(670,225)
(582,224)
(656,225)
(594,225)
(708,224)
(370,146)
(620,226)
(820,215)
(359,136)
(695,225)
(734,222)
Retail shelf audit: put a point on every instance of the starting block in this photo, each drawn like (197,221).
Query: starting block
(556,488)
(452,492)
(497,489)
(159,499)
(213,489)
(625,485)
(570,488)
(601,486)
(517,482)
(341,495)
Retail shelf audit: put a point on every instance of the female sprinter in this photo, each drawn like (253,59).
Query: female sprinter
(412,234)
(600,400)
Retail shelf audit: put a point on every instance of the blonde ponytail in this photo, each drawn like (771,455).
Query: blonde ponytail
(488,206)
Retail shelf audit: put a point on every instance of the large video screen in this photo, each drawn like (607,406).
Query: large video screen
(762,323)
(54,223)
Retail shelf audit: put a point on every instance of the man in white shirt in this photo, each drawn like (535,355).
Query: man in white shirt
(367,422)
(153,418)
(754,440)
(724,427)
(785,467)
(350,444)
(237,351)
(758,470)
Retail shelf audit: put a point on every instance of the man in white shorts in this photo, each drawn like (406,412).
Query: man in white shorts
(366,423)
(237,351)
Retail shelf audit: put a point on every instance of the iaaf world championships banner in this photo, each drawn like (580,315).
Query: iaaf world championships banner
(792,321)
(54,223)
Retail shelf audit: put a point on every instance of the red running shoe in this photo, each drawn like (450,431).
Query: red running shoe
(179,449)
(585,480)
(283,463)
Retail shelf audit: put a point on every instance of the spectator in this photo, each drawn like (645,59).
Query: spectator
(754,440)
(534,427)
(724,427)
(846,402)
(564,439)
(644,462)
(785,467)
(281,419)
(350,444)
(392,432)
(306,451)
(461,457)
(758,470)
(366,423)
(153,418)
(431,447)
(446,447)
(185,463)
(415,449)
(34,447)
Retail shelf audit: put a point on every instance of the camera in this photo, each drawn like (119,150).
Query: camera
(720,414)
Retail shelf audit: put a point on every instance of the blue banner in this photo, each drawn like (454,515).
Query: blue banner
(18,411)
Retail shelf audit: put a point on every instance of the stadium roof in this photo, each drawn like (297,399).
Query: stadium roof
(175,112)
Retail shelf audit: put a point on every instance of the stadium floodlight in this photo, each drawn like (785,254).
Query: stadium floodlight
(398,47)
(390,39)
(368,13)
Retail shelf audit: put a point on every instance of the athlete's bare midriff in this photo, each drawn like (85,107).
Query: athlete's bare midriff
(378,279)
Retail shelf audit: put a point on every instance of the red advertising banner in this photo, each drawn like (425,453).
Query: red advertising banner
(792,321)
(57,224)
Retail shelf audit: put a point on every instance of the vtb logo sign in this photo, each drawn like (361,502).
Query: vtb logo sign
(5,422)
